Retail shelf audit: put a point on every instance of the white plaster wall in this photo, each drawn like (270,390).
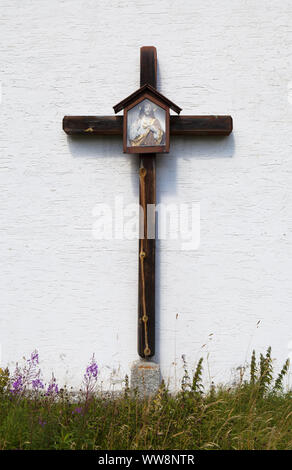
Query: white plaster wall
(69,295)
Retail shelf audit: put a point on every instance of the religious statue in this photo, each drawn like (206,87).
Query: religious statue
(146,130)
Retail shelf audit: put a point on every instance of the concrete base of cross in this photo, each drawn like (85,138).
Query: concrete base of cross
(145,377)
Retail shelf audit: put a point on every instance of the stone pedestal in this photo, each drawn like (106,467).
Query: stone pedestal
(145,377)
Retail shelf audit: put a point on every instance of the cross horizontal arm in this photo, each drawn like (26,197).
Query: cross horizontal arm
(179,125)
(200,125)
(98,125)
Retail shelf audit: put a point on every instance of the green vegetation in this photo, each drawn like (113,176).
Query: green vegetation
(254,414)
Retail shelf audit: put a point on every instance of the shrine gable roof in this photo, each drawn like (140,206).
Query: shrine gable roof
(150,91)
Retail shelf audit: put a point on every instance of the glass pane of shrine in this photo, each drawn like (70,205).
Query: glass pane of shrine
(146,125)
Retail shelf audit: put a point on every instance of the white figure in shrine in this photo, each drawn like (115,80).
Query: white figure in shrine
(146,130)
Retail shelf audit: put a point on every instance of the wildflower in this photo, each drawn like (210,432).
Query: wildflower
(37,384)
(90,377)
(27,376)
(78,410)
(53,388)
(42,423)
(34,357)
(17,385)
(92,370)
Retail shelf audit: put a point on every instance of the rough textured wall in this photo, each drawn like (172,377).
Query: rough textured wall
(68,294)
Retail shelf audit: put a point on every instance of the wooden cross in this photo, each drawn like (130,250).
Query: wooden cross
(178,125)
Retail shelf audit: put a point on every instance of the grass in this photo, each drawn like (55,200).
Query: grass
(254,414)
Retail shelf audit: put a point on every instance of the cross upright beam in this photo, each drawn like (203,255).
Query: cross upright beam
(147,199)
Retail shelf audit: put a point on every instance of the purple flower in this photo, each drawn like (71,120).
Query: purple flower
(34,357)
(78,410)
(17,385)
(53,388)
(92,370)
(29,377)
(90,377)
(42,423)
(37,384)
